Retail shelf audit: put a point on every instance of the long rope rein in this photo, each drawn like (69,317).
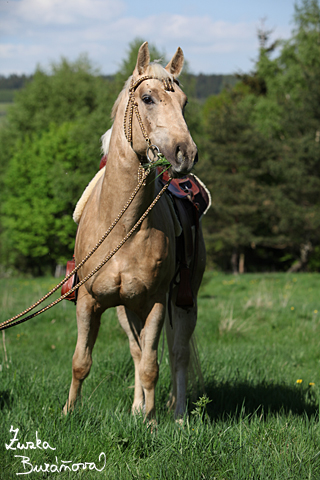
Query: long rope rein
(128,117)
(14,320)
(141,182)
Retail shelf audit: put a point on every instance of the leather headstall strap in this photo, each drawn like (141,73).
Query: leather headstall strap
(132,105)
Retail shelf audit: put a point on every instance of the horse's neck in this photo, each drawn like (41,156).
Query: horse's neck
(120,180)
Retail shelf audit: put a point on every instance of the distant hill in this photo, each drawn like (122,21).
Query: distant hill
(13,81)
(9,85)
(206,85)
(202,85)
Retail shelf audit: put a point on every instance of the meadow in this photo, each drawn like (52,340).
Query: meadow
(258,337)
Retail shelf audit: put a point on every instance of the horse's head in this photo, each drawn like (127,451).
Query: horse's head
(154,114)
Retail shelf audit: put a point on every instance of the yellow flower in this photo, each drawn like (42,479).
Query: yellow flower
(315,311)
(299,380)
(311,384)
(292,308)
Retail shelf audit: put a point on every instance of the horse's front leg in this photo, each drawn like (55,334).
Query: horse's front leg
(132,325)
(88,321)
(148,367)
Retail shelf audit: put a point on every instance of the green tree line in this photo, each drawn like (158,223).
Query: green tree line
(204,85)
(259,149)
(261,155)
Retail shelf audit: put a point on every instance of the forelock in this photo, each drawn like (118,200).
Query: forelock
(154,70)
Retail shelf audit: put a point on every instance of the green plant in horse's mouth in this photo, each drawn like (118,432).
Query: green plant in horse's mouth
(160,162)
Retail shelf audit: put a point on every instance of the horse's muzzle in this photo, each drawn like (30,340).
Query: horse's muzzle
(184,161)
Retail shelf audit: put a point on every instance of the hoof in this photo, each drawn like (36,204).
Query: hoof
(138,409)
(180,422)
(67,409)
(64,411)
(152,425)
(171,403)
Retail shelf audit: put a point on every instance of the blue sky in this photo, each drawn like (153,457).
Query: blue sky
(216,36)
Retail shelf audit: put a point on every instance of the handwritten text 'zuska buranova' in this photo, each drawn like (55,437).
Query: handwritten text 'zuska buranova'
(16,445)
(57,467)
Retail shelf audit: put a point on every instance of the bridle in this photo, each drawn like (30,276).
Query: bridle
(132,106)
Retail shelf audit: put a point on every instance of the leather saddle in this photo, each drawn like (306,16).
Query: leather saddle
(191,200)
(71,264)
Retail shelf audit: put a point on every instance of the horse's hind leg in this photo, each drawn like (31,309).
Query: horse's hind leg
(132,325)
(178,337)
(88,321)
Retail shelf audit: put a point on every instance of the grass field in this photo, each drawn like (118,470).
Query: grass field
(259,344)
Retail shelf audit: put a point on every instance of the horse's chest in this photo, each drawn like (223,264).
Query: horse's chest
(134,275)
(143,273)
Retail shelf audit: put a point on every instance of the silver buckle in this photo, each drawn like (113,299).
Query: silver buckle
(152,147)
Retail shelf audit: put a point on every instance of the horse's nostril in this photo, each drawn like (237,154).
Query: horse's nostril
(179,154)
(196,158)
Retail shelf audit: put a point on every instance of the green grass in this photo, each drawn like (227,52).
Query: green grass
(257,335)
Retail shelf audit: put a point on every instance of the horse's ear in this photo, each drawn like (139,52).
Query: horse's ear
(143,59)
(175,65)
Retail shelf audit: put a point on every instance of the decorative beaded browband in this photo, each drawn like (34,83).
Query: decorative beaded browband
(132,106)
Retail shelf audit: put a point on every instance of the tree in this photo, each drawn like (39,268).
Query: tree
(69,91)
(240,168)
(128,64)
(41,183)
(297,89)
(51,150)
(263,153)
(73,103)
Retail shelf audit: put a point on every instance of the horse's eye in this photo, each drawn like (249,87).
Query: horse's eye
(147,99)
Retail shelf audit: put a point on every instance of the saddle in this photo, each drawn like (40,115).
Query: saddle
(191,200)
(71,264)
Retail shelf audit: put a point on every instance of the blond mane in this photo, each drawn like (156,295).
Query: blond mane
(154,70)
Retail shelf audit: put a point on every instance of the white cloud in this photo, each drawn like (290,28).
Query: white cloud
(63,12)
(202,29)
(38,31)
(11,51)
(207,44)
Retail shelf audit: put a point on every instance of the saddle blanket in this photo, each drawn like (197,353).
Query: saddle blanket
(189,188)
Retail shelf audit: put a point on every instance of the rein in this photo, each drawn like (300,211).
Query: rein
(14,320)
(132,106)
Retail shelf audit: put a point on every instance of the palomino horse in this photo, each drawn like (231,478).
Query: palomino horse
(137,279)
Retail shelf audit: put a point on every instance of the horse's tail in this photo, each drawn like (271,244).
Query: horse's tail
(195,373)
